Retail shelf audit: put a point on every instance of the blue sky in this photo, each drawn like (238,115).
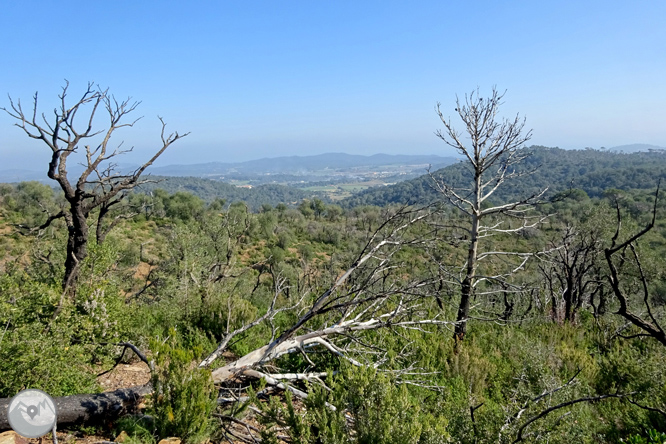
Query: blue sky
(268,78)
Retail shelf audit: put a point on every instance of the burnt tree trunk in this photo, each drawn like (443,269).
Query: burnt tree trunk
(89,410)
(569,296)
(77,243)
(467,287)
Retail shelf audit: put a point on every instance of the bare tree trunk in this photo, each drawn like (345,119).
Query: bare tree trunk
(569,314)
(100,232)
(88,409)
(77,245)
(467,287)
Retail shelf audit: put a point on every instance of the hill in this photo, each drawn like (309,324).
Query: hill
(295,164)
(209,190)
(590,170)
(330,167)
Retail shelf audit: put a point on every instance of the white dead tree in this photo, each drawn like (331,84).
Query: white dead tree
(493,152)
(371,294)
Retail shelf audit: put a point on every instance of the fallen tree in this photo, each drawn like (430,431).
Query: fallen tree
(369,295)
(89,409)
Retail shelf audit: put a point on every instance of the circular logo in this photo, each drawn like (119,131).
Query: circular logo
(32,413)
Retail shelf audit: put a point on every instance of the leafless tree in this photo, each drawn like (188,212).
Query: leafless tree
(572,274)
(621,255)
(493,153)
(367,296)
(100,186)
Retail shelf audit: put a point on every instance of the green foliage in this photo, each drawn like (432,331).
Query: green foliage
(210,190)
(305,207)
(653,437)
(183,206)
(267,224)
(28,203)
(318,207)
(55,353)
(369,408)
(285,417)
(285,238)
(183,395)
(382,412)
(138,430)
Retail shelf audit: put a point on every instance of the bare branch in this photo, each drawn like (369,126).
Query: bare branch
(64,134)
(549,410)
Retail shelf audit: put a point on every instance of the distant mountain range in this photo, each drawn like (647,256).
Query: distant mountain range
(593,171)
(293,165)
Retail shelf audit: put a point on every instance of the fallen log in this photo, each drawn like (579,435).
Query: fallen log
(89,409)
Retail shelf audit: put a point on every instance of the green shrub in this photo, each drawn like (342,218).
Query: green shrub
(184,396)
(55,359)
(370,408)
(653,437)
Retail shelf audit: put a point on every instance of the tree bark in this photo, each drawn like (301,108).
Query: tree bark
(467,287)
(77,245)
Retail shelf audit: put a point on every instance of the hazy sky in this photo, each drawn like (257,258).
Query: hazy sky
(254,79)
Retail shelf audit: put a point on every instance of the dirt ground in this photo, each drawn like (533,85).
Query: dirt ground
(124,376)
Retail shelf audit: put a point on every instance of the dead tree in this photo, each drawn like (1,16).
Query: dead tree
(620,255)
(100,186)
(493,153)
(366,296)
(372,294)
(89,409)
(572,272)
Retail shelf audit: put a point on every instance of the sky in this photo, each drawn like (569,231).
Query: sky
(252,79)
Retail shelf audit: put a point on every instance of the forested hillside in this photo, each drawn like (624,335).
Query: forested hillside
(590,170)
(210,190)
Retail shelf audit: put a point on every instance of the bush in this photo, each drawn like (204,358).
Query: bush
(52,355)
(653,437)
(184,396)
(370,408)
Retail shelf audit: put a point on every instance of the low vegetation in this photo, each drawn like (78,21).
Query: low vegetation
(216,268)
